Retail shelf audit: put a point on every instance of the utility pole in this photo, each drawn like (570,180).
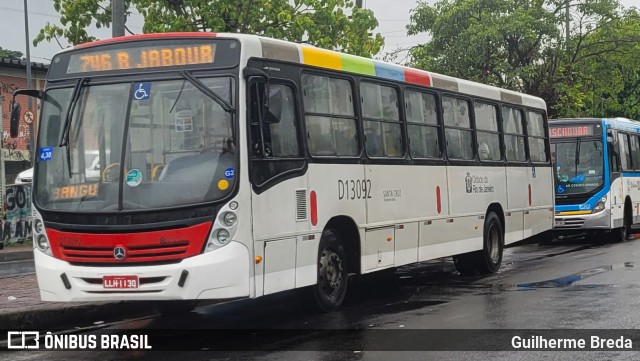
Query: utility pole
(117,18)
(567,20)
(29,83)
(359,4)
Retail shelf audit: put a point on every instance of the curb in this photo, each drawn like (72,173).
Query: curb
(58,318)
(16,256)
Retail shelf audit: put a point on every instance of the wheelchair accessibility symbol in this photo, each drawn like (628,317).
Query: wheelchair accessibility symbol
(561,189)
(142,91)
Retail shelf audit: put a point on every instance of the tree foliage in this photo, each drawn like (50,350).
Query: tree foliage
(522,45)
(6,53)
(331,24)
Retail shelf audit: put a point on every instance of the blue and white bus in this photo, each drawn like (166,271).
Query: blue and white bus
(597,182)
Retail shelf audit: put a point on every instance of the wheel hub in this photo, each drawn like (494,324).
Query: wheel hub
(330,271)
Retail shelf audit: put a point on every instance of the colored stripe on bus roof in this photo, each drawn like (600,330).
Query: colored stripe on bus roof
(321,58)
(389,71)
(356,64)
(344,62)
(415,76)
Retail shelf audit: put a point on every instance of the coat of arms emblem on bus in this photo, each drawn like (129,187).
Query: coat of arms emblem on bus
(469,181)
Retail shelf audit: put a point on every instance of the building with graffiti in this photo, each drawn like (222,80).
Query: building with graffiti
(13,75)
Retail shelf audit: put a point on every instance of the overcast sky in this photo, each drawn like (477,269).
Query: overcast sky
(393,16)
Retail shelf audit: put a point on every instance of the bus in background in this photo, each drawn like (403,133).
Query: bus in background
(597,165)
(236,166)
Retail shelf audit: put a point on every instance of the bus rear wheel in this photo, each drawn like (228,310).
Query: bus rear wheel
(489,259)
(331,287)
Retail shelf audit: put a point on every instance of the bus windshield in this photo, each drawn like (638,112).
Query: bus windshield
(134,146)
(579,166)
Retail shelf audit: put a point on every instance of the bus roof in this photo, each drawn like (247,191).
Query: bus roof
(310,55)
(615,123)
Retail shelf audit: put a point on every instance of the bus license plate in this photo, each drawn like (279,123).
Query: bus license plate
(120,282)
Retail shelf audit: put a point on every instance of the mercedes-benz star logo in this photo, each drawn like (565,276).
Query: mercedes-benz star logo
(119,252)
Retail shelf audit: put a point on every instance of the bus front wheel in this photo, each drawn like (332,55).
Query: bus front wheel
(624,233)
(331,287)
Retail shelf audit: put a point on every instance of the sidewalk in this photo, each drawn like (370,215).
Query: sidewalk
(22,309)
(16,253)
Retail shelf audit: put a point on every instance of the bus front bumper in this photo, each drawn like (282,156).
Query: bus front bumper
(583,222)
(220,274)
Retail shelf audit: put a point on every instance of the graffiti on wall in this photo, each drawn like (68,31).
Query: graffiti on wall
(12,152)
(7,88)
(16,224)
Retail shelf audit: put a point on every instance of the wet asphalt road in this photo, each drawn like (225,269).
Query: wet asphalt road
(569,284)
(17,268)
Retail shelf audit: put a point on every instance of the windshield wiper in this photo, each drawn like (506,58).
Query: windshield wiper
(203,88)
(64,137)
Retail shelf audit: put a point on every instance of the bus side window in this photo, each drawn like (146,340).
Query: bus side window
(614,158)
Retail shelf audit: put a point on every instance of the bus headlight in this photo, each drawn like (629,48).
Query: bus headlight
(224,227)
(223,236)
(42,242)
(599,207)
(37,225)
(230,219)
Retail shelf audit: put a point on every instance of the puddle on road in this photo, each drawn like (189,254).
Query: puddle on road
(565,280)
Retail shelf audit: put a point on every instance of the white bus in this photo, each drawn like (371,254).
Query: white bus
(236,166)
(597,165)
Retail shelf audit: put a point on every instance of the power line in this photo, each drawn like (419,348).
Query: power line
(30,12)
(395,31)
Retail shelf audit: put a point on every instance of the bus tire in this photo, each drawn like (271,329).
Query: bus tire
(493,238)
(623,233)
(331,286)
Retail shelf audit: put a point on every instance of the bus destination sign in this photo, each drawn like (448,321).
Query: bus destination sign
(572,131)
(141,58)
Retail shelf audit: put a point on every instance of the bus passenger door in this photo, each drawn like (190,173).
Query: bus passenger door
(279,195)
(616,181)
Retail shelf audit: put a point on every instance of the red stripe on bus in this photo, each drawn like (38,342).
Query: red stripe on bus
(314,208)
(438,200)
(417,77)
(145,37)
(529,194)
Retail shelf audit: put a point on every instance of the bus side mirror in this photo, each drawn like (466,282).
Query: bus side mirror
(16,110)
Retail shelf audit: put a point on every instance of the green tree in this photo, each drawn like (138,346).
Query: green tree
(330,24)
(610,80)
(5,53)
(522,45)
